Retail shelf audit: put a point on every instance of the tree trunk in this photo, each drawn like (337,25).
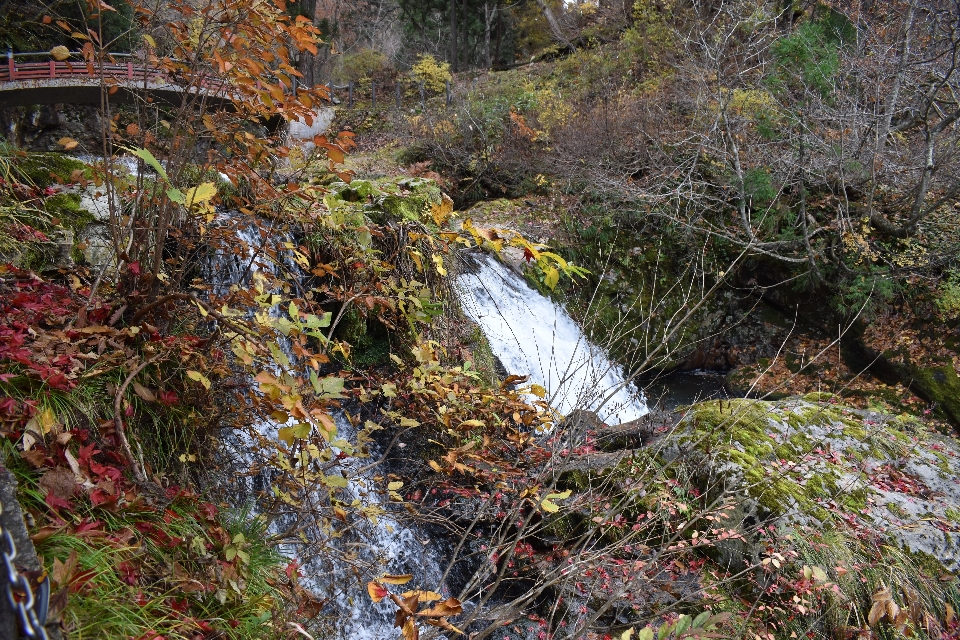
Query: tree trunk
(488,16)
(554,25)
(453,35)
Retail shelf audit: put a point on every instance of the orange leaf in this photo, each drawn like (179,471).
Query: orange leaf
(397,579)
(377,591)
(449,607)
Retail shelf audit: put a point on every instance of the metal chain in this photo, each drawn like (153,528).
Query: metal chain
(31,625)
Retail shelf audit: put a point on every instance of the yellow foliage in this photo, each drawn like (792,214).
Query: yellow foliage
(432,73)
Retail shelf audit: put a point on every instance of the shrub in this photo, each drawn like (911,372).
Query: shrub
(361,65)
(432,73)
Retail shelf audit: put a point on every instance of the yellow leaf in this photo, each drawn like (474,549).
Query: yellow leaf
(149,39)
(67,143)
(395,486)
(547,504)
(415,256)
(538,391)
(442,212)
(201,193)
(396,578)
(551,278)
(199,377)
(438,261)
(377,591)
(60,53)
(433,465)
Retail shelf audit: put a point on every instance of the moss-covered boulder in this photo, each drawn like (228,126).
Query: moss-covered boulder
(44,169)
(415,199)
(810,462)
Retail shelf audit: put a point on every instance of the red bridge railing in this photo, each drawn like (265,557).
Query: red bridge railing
(128,72)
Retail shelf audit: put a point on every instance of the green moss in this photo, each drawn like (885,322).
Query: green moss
(66,208)
(896,510)
(44,169)
(855,500)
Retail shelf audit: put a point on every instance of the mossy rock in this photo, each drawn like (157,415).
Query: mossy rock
(44,169)
(940,385)
(66,208)
(414,199)
(813,462)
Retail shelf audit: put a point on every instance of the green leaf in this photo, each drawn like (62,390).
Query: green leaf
(334,481)
(149,158)
(645,634)
(331,387)
(176,195)
(699,620)
(683,623)
(664,631)
(244,558)
(294,312)
(239,538)
(231,553)
(626,635)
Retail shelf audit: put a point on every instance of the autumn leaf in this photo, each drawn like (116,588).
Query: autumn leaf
(199,377)
(60,53)
(144,393)
(424,596)
(200,194)
(396,579)
(551,278)
(377,591)
(547,505)
(449,607)
(68,143)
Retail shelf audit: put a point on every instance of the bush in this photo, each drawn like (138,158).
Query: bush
(433,74)
(362,65)
(949,299)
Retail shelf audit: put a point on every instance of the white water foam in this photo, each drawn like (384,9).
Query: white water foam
(533,336)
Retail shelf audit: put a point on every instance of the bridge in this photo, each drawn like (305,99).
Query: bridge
(24,80)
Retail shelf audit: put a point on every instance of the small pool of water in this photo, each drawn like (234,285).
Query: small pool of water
(671,391)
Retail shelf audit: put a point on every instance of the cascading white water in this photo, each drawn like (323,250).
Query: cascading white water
(365,549)
(533,336)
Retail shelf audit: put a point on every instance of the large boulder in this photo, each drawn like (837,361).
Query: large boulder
(810,462)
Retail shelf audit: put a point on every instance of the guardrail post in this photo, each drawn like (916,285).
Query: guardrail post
(350,95)
(373,95)
(129,71)
(11,65)
(448,92)
(398,94)
(53,68)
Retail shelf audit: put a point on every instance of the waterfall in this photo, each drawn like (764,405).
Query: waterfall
(533,336)
(363,549)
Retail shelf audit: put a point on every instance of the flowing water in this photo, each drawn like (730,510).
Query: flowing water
(335,569)
(530,334)
(533,336)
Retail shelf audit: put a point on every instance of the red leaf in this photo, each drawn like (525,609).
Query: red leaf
(57,503)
